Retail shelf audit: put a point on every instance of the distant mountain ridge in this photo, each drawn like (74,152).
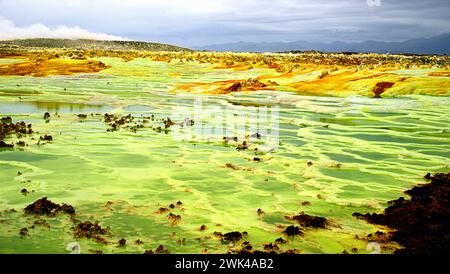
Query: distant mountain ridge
(435,45)
(86,44)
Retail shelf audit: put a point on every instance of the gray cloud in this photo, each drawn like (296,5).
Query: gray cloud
(200,22)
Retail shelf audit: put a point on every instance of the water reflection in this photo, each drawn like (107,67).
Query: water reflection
(59,107)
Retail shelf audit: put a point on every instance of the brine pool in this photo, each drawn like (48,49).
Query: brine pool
(363,152)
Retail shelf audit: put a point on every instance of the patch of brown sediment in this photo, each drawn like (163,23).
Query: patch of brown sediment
(422,224)
(235,167)
(250,84)
(440,74)
(377,75)
(381,87)
(42,68)
(7,55)
(161,59)
(228,86)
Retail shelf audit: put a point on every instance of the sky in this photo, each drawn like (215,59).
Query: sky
(193,23)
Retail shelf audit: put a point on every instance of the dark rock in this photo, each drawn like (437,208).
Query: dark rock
(6,120)
(162,210)
(23,232)
(90,230)
(271,247)
(293,231)
(174,218)
(122,242)
(280,241)
(118,121)
(95,251)
(234,87)
(306,220)
(242,146)
(46,207)
(234,236)
(21,144)
(47,138)
(161,250)
(247,246)
(168,123)
(227,139)
(218,234)
(422,224)
(5,145)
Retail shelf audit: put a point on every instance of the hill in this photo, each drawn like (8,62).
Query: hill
(85,44)
(435,45)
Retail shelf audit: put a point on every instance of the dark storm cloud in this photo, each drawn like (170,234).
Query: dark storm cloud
(199,22)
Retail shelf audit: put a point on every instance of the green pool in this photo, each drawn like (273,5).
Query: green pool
(362,153)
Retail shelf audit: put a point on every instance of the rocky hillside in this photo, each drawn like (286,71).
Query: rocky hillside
(85,44)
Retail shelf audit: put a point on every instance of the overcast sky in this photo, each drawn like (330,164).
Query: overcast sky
(204,22)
